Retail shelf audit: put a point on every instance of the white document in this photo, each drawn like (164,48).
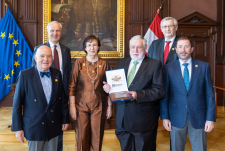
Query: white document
(117,80)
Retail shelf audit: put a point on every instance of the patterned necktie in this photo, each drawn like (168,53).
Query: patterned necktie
(186,75)
(45,73)
(166,51)
(131,74)
(56,58)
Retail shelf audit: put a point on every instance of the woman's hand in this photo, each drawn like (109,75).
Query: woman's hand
(73,111)
(106,87)
(109,112)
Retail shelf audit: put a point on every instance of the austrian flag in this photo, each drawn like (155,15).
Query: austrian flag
(154,32)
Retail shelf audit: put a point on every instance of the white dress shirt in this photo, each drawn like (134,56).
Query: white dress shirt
(137,66)
(189,67)
(46,85)
(171,43)
(59,54)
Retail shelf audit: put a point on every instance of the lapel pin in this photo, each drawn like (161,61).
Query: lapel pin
(56,80)
(196,65)
(35,100)
(83,64)
(172,48)
(100,66)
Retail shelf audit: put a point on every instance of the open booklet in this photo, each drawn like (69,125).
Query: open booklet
(119,90)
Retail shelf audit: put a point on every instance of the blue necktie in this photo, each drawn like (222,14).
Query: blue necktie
(186,75)
(45,73)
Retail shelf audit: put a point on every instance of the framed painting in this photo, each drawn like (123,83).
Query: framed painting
(81,18)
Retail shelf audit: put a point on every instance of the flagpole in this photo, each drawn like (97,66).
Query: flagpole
(6,4)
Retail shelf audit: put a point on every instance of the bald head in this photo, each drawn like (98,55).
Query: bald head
(43,58)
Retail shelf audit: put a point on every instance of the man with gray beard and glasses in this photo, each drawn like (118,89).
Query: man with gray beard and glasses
(137,119)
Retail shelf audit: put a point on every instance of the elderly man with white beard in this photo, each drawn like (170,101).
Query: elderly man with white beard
(136,119)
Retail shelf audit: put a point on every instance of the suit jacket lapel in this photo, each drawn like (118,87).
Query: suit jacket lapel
(177,71)
(193,72)
(172,50)
(127,63)
(63,54)
(140,70)
(55,78)
(161,50)
(38,87)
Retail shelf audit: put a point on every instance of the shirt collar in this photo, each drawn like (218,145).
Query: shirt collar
(52,45)
(172,39)
(39,70)
(189,62)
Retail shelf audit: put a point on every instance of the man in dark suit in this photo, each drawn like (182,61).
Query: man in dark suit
(136,119)
(164,50)
(61,59)
(40,107)
(189,104)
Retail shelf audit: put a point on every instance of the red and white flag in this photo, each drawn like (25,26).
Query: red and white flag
(154,32)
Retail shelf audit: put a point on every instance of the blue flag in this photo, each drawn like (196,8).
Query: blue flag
(15,54)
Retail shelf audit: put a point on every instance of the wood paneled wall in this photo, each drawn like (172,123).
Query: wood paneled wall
(138,16)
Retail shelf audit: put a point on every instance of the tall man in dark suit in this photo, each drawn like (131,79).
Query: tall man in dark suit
(136,119)
(189,104)
(164,50)
(40,107)
(61,58)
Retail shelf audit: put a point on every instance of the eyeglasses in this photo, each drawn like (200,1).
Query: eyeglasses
(170,26)
(94,45)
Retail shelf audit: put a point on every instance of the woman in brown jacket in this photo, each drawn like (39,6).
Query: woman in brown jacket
(89,104)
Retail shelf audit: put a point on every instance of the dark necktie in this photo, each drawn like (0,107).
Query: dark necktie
(42,74)
(166,51)
(56,58)
(186,75)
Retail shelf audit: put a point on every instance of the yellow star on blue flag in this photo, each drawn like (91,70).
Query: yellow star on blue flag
(18,52)
(2,35)
(15,54)
(7,77)
(10,36)
(15,42)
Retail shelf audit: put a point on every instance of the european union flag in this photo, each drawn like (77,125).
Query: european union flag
(15,54)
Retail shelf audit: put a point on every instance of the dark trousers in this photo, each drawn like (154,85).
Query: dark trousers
(157,109)
(134,141)
(60,142)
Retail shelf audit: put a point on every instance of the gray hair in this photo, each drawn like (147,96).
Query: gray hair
(139,37)
(48,26)
(169,18)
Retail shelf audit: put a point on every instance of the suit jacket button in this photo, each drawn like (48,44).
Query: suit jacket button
(45,111)
(187,96)
(52,121)
(51,110)
(43,123)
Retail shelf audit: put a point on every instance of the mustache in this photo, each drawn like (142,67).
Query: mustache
(183,53)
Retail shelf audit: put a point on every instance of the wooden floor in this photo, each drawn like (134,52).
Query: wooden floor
(8,141)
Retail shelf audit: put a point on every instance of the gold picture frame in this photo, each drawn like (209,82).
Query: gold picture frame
(103,54)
